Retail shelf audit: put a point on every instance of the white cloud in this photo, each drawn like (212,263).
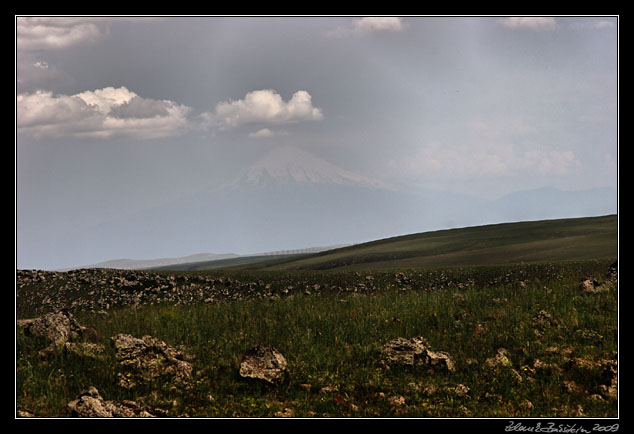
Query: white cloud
(367,25)
(102,113)
(264,107)
(531,23)
(50,33)
(377,24)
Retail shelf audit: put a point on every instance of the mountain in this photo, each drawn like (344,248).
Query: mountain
(136,264)
(291,199)
(288,165)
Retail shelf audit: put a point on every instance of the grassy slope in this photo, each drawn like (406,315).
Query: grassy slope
(547,240)
(222,263)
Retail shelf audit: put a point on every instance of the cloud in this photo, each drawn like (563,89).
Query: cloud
(367,25)
(531,23)
(265,107)
(102,113)
(56,33)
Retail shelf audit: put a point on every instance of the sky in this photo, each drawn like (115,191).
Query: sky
(123,113)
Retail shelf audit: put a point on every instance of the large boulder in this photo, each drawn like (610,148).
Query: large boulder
(61,329)
(416,352)
(57,327)
(265,363)
(149,359)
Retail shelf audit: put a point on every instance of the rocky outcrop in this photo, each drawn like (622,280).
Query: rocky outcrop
(416,352)
(62,330)
(148,358)
(263,362)
(89,403)
(57,327)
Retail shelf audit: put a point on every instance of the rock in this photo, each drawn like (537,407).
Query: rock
(58,327)
(89,403)
(265,363)
(397,400)
(415,352)
(543,319)
(150,358)
(591,286)
(500,360)
(609,378)
(612,273)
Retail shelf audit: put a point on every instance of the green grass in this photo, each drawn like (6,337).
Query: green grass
(547,240)
(332,339)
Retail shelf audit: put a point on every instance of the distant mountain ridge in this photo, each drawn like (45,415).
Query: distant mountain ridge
(137,264)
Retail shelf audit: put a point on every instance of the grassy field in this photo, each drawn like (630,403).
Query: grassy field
(549,240)
(332,339)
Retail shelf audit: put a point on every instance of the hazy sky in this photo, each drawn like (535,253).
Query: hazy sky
(118,114)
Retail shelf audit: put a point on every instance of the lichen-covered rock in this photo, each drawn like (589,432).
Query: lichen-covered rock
(58,327)
(416,352)
(149,359)
(265,363)
(89,403)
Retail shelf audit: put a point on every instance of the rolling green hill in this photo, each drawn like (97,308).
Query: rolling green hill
(505,243)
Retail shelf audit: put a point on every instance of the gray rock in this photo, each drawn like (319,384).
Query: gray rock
(89,403)
(58,327)
(265,363)
(416,352)
(150,358)
(591,286)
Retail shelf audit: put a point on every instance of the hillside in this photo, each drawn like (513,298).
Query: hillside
(506,243)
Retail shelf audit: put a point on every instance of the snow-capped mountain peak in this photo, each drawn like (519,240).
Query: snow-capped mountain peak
(290,165)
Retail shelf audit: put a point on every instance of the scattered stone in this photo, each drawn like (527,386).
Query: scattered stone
(397,401)
(287,412)
(459,390)
(150,358)
(548,368)
(591,286)
(265,363)
(613,270)
(573,387)
(89,403)
(415,352)
(500,360)
(609,378)
(543,319)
